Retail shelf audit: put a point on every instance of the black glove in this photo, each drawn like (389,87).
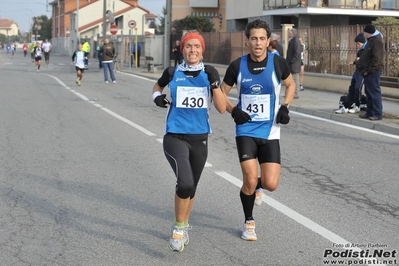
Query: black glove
(282,115)
(213,74)
(161,101)
(240,117)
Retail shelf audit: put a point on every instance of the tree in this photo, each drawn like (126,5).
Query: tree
(3,38)
(160,29)
(42,26)
(198,23)
(390,25)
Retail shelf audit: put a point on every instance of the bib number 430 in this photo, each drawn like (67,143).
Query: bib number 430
(192,97)
(193,102)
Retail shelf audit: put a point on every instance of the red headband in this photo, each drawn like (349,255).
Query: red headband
(190,36)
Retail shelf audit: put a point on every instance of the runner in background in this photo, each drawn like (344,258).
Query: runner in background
(38,55)
(25,48)
(46,46)
(78,59)
(32,51)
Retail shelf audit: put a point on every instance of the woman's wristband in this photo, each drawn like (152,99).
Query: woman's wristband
(156,94)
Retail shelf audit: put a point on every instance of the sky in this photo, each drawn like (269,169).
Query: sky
(22,11)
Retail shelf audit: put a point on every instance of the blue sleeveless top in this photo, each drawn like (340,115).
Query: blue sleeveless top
(190,102)
(259,96)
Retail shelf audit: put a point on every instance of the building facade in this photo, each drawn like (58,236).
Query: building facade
(8,27)
(86,19)
(309,13)
(215,10)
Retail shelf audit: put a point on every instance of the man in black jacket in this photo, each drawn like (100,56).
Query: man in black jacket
(294,57)
(370,65)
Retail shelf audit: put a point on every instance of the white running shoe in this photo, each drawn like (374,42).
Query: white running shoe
(342,110)
(114,81)
(258,196)
(106,81)
(176,239)
(248,231)
(186,238)
(354,110)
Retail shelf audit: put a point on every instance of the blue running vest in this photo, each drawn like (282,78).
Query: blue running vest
(190,102)
(259,96)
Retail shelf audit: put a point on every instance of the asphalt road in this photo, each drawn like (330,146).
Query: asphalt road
(83,181)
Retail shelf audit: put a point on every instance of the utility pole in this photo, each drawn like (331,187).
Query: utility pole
(77,23)
(168,19)
(104,19)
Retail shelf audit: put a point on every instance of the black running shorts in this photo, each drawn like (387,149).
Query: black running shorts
(267,151)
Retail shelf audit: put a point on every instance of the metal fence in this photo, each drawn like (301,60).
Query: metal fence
(328,49)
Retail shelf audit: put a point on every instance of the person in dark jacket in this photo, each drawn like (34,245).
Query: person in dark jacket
(294,57)
(370,66)
(352,101)
(108,52)
(279,47)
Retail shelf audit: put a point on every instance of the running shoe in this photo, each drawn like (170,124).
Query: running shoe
(114,81)
(106,82)
(258,196)
(77,81)
(354,110)
(301,88)
(186,238)
(176,239)
(342,110)
(248,231)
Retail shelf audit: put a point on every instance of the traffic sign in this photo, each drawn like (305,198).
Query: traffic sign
(113,29)
(132,24)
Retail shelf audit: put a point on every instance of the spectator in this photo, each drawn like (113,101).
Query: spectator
(134,54)
(108,52)
(294,58)
(273,44)
(352,101)
(279,47)
(86,48)
(302,72)
(176,53)
(370,66)
(99,53)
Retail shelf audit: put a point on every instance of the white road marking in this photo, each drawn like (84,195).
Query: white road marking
(121,118)
(306,222)
(340,123)
(347,125)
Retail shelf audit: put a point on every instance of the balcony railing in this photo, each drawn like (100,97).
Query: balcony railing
(357,4)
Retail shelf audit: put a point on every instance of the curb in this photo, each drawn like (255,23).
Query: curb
(372,125)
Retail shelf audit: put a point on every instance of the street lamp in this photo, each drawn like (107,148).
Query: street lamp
(30,24)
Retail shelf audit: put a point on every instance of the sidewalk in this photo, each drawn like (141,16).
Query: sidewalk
(319,103)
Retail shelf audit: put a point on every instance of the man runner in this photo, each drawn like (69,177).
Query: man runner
(78,59)
(46,46)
